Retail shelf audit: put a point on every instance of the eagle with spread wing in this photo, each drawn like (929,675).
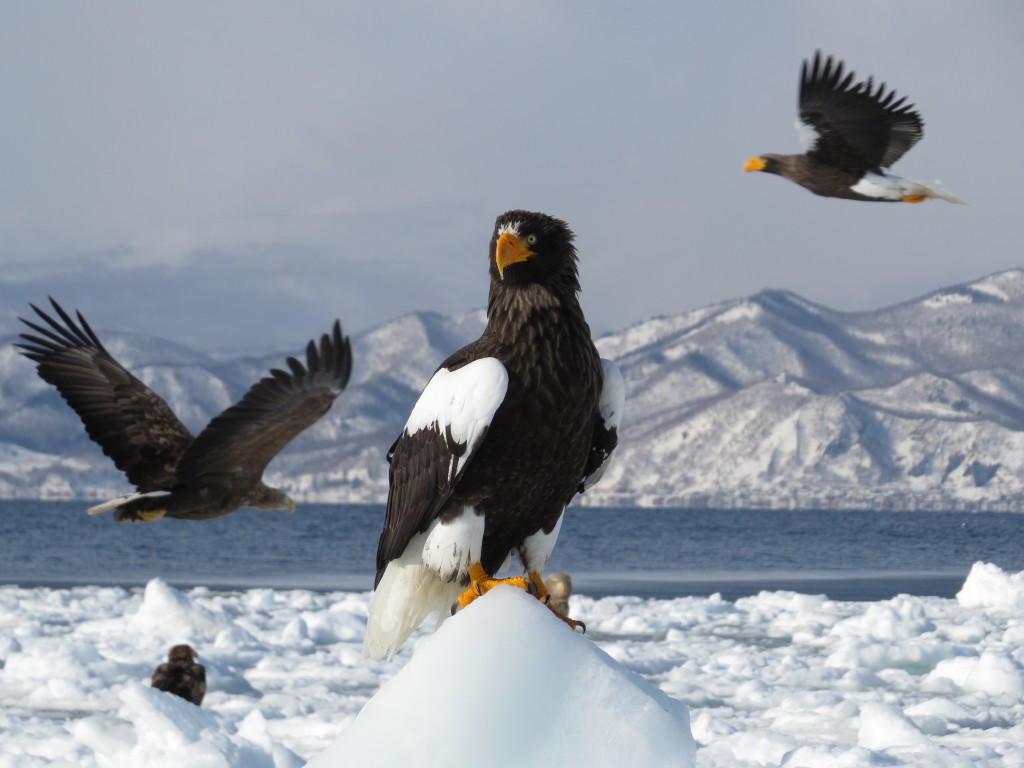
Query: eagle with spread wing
(851,132)
(176,474)
(506,432)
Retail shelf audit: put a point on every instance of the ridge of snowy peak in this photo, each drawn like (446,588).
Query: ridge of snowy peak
(999,288)
(758,399)
(1007,285)
(412,346)
(640,336)
(791,306)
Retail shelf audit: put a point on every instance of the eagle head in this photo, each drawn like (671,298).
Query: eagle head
(529,247)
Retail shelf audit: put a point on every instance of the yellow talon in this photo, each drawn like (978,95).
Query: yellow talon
(544,597)
(913,198)
(145,516)
(480,583)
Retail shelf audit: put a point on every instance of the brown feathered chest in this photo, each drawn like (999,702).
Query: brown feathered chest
(532,460)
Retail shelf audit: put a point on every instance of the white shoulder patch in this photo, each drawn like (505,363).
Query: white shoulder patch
(610,406)
(462,401)
(613,394)
(808,135)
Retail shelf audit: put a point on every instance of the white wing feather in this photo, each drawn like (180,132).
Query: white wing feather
(808,135)
(463,401)
(610,406)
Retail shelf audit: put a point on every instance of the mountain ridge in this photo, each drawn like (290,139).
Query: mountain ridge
(770,400)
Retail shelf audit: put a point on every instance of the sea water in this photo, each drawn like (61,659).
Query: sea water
(648,552)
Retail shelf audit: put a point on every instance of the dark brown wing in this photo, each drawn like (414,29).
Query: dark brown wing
(236,446)
(857,129)
(131,423)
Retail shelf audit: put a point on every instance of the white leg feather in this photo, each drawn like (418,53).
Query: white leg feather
(120,501)
(537,548)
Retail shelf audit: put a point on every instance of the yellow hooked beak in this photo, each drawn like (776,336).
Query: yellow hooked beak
(753,164)
(510,250)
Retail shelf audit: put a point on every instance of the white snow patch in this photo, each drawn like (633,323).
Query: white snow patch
(744,310)
(506,683)
(988,587)
(778,678)
(946,298)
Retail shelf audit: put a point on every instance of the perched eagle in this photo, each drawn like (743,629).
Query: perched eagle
(506,432)
(176,474)
(182,675)
(850,132)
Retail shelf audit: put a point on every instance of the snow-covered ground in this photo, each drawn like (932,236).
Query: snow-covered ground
(775,679)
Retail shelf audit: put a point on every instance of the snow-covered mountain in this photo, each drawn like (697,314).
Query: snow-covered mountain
(766,401)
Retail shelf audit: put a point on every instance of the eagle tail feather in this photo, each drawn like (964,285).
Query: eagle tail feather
(932,189)
(120,501)
(406,594)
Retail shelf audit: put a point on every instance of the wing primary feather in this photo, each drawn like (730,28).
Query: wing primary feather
(297,368)
(268,416)
(343,351)
(54,341)
(132,424)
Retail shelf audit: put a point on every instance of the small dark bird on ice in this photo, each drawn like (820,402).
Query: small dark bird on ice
(182,675)
(176,474)
(506,432)
(851,132)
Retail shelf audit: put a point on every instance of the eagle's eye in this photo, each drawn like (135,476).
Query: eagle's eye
(531,239)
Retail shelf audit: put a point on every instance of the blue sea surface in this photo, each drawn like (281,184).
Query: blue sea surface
(647,552)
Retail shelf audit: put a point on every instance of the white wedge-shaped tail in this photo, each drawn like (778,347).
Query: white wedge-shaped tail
(120,501)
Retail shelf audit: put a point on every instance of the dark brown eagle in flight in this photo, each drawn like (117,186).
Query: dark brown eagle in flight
(505,433)
(182,675)
(851,132)
(176,474)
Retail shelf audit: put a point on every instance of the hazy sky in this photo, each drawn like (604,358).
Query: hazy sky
(239,173)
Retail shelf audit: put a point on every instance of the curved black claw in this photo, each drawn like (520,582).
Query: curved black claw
(580,626)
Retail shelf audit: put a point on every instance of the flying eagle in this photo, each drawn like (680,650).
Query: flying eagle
(182,675)
(850,132)
(506,432)
(176,474)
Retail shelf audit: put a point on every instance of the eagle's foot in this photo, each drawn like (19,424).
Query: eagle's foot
(480,583)
(913,198)
(542,595)
(139,516)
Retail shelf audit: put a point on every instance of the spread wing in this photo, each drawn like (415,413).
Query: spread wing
(236,446)
(444,430)
(848,125)
(131,423)
(606,424)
